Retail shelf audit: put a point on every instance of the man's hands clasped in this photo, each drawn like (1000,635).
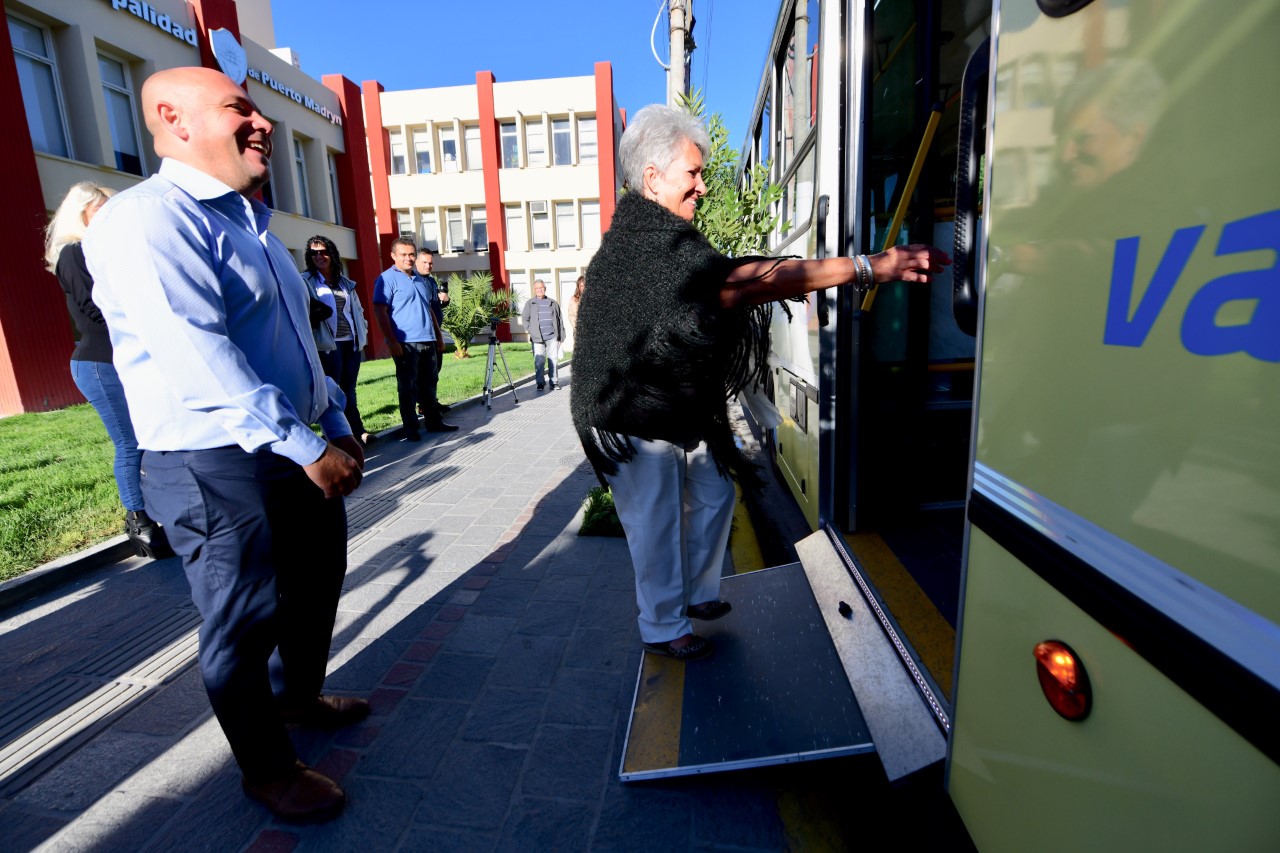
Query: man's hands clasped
(339,469)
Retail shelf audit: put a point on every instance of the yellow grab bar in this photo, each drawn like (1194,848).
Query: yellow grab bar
(909,190)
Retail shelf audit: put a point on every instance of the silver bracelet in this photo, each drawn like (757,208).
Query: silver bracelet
(863,266)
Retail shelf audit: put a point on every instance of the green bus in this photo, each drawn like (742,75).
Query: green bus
(1053,476)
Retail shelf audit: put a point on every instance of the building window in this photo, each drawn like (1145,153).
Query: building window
(566,284)
(269,192)
(121,114)
(300,165)
(448,150)
(541,222)
(428,230)
(535,142)
(399,162)
(517,236)
(471,141)
(404,226)
(566,226)
(587,148)
(590,224)
(333,188)
(479,229)
(510,145)
(561,143)
(422,152)
(457,233)
(518,282)
(38,78)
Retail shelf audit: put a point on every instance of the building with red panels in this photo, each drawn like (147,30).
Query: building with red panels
(515,178)
(74,68)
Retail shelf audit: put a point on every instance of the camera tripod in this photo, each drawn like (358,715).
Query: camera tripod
(495,346)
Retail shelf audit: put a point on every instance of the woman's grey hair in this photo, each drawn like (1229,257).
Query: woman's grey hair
(655,135)
(67,225)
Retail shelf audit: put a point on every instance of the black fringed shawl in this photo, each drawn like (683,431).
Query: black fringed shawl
(655,355)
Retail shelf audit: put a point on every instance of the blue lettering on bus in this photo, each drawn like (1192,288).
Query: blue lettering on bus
(1202,334)
(1260,337)
(1120,330)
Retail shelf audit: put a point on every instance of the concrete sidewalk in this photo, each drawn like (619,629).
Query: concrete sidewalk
(499,650)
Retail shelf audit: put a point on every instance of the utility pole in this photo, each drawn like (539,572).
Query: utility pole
(681,33)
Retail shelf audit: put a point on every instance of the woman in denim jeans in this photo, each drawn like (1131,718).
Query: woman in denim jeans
(91,366)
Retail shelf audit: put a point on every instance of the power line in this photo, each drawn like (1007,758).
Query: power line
(706,62)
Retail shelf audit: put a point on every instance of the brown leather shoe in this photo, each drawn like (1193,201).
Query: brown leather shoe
(301,796)
(327,712)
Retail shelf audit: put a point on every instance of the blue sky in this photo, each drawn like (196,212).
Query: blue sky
(422,45)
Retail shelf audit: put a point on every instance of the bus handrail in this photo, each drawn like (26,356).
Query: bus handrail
(908,190)
(820,252)
(964,296)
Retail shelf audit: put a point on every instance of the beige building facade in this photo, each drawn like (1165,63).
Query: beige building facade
(512,178)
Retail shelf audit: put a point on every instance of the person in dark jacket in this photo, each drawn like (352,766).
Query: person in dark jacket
(668,330)
(91,366)
(424,263)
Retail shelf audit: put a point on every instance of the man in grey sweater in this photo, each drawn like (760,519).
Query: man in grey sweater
(541,317)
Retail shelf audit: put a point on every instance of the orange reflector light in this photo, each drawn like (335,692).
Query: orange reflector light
(1063,680)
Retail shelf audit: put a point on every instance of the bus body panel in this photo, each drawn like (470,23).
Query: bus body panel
(1131,352)
(801,116)
(1129,374)
(1150,768)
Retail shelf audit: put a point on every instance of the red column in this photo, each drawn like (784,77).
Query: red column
(494,214)
(214,15)
(380,171)
(35,332)
(606,143)
(357,197)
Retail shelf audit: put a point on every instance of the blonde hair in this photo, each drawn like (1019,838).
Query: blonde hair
(67,225)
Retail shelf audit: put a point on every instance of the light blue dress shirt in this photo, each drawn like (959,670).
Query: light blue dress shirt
(209,320)
(408,297)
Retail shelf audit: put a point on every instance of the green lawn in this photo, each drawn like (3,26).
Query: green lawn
(57,492)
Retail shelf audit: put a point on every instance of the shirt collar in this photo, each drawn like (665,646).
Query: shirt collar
(412,276)
(204,187)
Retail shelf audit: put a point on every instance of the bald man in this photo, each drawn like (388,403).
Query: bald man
(209,319)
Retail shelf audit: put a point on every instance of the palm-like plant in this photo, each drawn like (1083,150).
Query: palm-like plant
(474,304)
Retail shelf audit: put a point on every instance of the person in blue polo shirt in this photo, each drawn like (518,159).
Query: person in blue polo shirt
(402,303)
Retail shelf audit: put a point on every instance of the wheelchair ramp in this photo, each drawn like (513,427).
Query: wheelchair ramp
(775,691)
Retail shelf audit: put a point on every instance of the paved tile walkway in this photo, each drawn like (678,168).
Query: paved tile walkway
(499,650)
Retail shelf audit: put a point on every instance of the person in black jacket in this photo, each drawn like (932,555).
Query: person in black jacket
(424,263)
(91,365)
(668,330)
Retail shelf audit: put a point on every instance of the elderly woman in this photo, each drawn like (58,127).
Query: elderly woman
(91,365)
(667,332)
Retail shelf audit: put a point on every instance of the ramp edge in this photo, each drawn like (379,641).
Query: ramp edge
(747,763)
(907,722)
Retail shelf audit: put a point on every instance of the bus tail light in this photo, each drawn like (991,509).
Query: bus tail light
(1063,680)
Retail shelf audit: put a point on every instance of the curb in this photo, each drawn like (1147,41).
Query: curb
(63,570)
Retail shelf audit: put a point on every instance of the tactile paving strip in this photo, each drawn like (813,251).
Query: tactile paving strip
(58,717)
